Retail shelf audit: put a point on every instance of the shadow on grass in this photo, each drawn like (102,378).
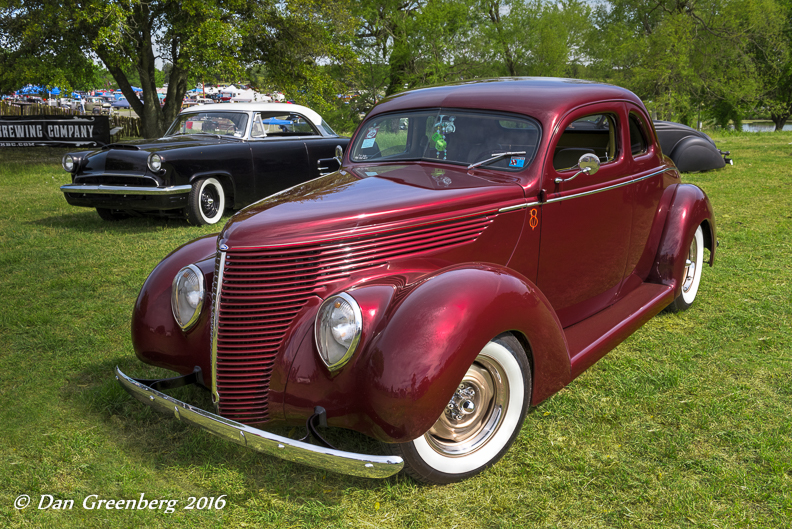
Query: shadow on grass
(88,221)
(155,440)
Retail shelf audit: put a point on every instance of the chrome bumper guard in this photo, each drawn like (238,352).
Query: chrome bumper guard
(363,465)
(124,190)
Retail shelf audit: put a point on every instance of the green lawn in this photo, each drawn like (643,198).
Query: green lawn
(686,424)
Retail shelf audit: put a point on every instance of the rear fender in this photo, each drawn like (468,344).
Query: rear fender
(696,154)
(690,209)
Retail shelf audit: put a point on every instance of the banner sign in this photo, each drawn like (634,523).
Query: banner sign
(54,131)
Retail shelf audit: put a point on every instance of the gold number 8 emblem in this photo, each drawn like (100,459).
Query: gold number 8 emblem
(534,220)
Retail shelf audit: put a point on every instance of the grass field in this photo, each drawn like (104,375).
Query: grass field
(686,424)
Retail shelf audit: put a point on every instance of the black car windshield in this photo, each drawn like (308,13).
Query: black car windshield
(449,136)
(221,123)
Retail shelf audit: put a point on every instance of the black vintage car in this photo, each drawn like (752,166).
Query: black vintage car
(213,157)
(690,149)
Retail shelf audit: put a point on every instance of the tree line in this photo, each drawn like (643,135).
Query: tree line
(688,60)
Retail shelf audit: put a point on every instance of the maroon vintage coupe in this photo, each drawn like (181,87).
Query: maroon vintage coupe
(482,245)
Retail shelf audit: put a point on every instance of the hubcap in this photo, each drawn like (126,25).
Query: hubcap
(209,201)
(474,412)
(690,266)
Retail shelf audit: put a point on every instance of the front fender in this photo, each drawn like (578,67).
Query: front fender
(407,371)
(156,337)
(690,209)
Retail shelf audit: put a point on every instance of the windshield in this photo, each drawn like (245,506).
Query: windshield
(449,136)
(222,123)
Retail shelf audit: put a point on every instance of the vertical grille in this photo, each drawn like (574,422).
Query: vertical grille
(262,290)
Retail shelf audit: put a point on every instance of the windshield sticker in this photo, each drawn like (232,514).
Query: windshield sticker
(367,143)
(372,133)
(517,161)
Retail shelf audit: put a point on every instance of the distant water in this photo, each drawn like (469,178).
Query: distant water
(766,126)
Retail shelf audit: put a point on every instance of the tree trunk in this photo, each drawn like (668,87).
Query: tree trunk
(508,58)
(779,120)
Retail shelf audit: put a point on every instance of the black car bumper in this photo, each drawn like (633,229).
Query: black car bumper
(126,197)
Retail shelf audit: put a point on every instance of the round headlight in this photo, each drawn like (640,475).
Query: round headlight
(187,296)
(337,329)
(68,163)
(155,162)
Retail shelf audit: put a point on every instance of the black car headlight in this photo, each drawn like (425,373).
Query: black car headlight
(70,163)
(187,296)
(154,162)
(337,330)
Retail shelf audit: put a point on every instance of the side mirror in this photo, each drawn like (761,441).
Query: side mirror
(339,154)
(587,164)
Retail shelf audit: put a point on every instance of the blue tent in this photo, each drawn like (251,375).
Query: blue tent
(55,91)
(276,121)
(136,89)
(31,89)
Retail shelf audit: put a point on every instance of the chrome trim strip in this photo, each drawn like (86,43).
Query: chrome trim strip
(518,206)
(615,186)
(215,320)
(124,190)
(350,463)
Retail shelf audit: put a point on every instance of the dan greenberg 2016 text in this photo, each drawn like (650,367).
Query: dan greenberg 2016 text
(94,502)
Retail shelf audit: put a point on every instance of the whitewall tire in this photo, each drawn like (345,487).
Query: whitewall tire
(480,422)
(206,203)
(691,276)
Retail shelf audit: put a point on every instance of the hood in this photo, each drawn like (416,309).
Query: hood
(365,200)
(166,143)
(131,156)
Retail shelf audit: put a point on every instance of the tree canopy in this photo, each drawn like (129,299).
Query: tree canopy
(718,59)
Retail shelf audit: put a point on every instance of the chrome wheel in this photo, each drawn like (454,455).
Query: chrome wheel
(480,422)
(691,267)
(475,411)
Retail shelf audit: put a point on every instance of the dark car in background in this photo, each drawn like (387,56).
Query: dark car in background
(213,157)
(691,150)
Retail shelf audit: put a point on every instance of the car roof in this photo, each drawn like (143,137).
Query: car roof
(256,107)
(541,97)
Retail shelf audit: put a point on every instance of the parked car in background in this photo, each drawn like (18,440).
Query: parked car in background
(212,157)
(120,103)
(482,245)
(690,149)
(97,105)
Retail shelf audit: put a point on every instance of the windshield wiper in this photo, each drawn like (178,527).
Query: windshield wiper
(496,157)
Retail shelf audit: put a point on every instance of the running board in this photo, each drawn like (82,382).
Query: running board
(586,341)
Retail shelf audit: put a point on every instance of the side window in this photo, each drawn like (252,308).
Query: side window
(281,124)
(638,143)
(597,134)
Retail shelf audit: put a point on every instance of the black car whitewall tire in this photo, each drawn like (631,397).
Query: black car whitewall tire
(477,427)
(206,202)
(691,277)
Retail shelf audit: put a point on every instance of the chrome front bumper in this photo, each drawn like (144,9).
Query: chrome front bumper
(124,190)
(362,465)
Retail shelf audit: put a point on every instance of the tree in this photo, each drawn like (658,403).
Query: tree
(682,55)
(195,38)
